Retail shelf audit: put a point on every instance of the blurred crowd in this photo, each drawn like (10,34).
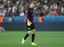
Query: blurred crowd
(14,8)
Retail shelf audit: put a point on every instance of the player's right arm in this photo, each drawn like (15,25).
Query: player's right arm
(27,17)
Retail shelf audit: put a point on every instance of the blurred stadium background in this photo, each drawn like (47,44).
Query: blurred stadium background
(48,18)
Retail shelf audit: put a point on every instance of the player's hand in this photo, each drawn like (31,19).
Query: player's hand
(29,23)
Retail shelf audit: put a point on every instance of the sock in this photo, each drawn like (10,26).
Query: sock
(33,37)
(26,36)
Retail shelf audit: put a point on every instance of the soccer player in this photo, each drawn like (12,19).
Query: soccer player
(30,23)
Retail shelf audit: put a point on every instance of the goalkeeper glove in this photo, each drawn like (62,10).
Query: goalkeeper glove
(29,23)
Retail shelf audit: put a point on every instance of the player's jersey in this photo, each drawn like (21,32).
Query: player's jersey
(29,14)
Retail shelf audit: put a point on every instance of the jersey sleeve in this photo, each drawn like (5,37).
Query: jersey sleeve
(27,10)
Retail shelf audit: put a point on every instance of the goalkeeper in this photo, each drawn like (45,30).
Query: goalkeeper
(30,23)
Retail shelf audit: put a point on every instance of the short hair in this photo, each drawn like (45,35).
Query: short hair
(34,2)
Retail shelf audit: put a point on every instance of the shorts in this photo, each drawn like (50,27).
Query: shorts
(30,27)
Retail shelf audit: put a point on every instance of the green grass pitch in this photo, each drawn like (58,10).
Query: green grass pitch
(43,39)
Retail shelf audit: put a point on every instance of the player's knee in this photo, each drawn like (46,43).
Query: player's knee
(29,32)
(33,31)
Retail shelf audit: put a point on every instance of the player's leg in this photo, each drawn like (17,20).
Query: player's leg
(33,37)
(33,34)
(23,40)
(25,37)
(29,32)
